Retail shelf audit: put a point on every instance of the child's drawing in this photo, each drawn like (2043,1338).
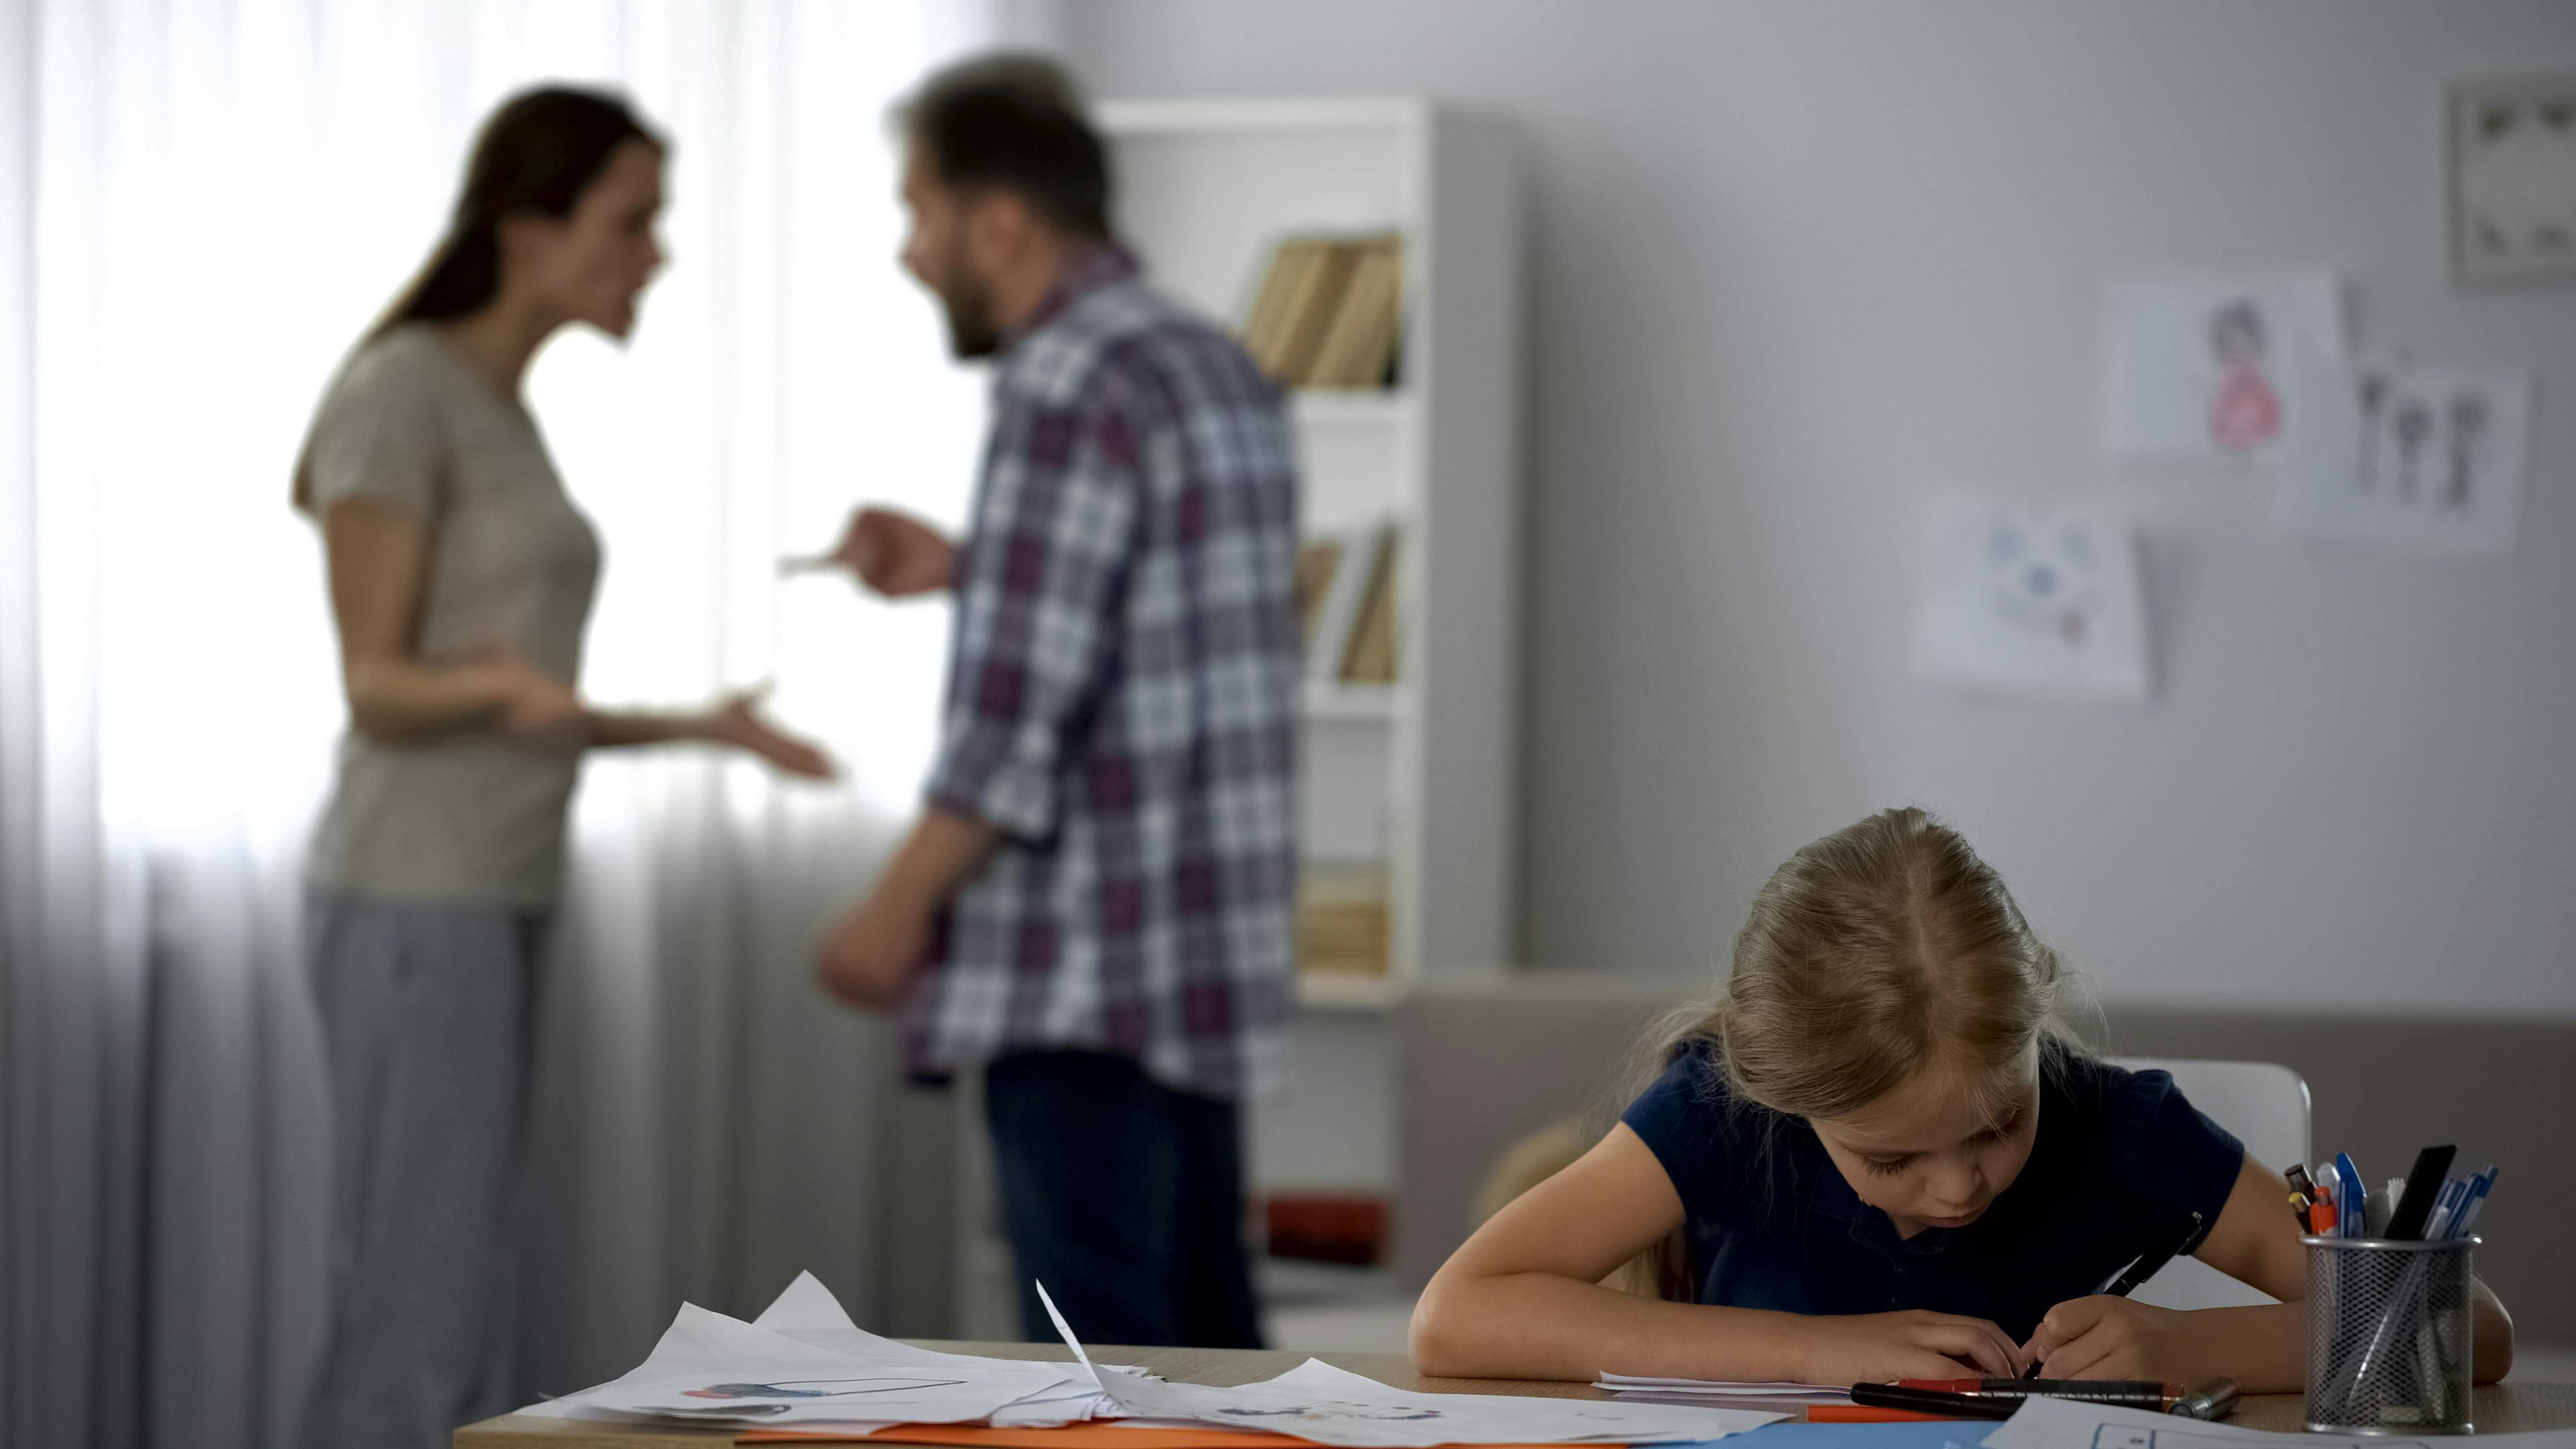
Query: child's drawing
(2245,413)
(2027,599)
(2374,401)
(2414,426)
(2194,366)
(2513,178)
(2468,429)
(2424,457)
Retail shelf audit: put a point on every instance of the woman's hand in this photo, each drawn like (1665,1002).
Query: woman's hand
(1913,1344)
(896,554)
(737,721)
(2114,1338)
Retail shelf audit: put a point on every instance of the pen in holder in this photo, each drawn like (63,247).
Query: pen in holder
(2388,1335)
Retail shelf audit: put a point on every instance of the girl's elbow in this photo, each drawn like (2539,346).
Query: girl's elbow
(2491,1350)
(1433,1334)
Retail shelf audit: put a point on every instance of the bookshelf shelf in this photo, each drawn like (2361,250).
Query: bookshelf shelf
(1341,991)
(1355,703)
(1370,407)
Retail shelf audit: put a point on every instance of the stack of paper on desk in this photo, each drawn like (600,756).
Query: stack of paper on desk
(1325,1405)
(803,1365)
(1671,1390)
(803,1362)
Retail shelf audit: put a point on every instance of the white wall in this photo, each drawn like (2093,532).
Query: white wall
(1795,266)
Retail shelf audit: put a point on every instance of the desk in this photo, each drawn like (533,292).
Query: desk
(2501,1409)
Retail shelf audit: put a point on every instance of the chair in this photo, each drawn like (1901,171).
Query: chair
(2266,1106)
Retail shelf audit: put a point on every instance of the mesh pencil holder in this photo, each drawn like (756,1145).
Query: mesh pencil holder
(2388,1335)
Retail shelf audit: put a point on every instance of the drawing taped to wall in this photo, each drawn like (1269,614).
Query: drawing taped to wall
(2432,458)
(2033,601)
(2195,365)
(2513,178)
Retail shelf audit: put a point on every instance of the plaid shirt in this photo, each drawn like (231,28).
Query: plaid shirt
(1122,703)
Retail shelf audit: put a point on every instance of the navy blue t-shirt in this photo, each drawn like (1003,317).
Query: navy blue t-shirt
(2119,1165)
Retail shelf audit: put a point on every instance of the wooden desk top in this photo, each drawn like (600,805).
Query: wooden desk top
(2501,1409)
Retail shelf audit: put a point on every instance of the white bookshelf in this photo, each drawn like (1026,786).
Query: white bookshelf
(1419,775)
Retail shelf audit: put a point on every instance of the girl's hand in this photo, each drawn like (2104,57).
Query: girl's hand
(2113,1338)
(531,699)
(1914,1344)
(738,722)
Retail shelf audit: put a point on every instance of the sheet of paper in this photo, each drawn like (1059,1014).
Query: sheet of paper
(2068,1424)
(2032,601)
(1723,1389)
(2194,364)
(1325,1405)
(805,1362)
(2425,458)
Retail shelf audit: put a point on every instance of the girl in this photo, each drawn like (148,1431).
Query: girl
(1878,1156)
(461,579)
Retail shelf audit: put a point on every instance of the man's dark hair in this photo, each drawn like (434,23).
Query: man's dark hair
(1014,121)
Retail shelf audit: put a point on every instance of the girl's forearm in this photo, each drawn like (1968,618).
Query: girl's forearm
(2264,1348)
(1543,1326)
(402,699)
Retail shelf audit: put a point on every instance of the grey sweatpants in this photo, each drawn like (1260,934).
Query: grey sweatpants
(428,1017)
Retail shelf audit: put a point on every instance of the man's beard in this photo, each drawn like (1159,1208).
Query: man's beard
(969,305)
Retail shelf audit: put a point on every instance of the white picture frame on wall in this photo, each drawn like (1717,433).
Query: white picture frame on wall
(2510,146)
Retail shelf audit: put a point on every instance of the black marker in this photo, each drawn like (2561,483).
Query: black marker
(2423,1185)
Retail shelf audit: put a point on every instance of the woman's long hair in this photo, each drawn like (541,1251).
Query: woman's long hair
(537,154)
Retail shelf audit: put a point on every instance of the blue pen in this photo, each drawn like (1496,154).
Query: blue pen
(2352,1200)
(2473,1203)
(2438,1226)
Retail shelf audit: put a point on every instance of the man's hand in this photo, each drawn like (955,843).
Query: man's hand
(872,951)
(896,554)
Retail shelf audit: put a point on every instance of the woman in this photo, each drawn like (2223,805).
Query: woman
(461,578)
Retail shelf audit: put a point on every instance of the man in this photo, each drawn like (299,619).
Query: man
(1098,901)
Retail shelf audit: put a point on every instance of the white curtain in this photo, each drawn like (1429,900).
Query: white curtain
(205,201)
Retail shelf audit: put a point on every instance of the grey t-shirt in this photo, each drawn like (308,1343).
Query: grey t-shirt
(477,816)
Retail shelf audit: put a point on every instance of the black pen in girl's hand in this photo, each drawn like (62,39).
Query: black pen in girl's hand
(2139,1270)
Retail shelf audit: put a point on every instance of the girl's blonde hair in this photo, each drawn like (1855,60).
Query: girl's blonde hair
(1883,952)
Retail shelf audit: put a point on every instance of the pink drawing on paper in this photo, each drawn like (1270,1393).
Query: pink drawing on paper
(2245,408)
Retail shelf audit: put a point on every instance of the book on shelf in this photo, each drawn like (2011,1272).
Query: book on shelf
(1342,918)
(1335,611)
(1369,657)
(1359,346)
(1317,559)
(1267,323)
(1328,312)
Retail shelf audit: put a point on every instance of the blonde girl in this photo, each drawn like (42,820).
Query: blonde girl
(1876,1155)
